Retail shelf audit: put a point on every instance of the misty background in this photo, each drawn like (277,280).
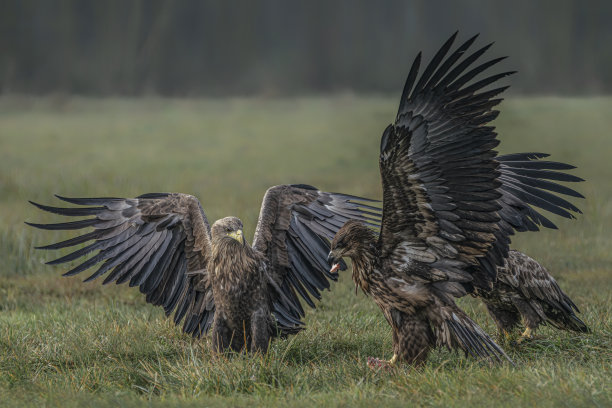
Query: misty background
(273,47)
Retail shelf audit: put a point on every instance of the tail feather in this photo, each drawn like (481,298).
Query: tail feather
(563,319)
(578,325)
(459,331)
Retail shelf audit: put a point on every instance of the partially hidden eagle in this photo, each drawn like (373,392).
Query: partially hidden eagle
(450,205)
(524,288)
(210,277)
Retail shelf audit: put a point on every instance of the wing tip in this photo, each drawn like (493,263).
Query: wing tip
(475,36)
(452,38)
(63,198)
(35,225)
(43,207)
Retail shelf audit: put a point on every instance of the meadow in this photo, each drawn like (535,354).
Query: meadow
(65,343)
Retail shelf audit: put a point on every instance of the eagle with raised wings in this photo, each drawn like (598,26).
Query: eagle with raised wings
(450,205)
(210,276)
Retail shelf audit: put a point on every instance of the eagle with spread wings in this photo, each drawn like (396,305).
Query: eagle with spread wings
(450,205)
(209,276)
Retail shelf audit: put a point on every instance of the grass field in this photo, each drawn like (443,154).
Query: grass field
(64,343)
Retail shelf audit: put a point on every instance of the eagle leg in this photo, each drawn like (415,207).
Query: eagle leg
(221,335)
(260,331)
(526,335)
(506,318)
(412,339)
(532,314)
(224,338)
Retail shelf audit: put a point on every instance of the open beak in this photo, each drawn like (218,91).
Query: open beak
(237,235)
(333,262)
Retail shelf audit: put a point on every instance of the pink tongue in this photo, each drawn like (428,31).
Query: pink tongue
(334,268)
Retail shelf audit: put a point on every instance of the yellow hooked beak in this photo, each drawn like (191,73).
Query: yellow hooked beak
(237,235)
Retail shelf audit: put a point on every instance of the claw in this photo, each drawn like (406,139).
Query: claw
(527,335)
(376,363)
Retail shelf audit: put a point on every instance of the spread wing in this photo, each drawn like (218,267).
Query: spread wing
(439,173)
(527,188)
(158,242)
(529,182)
(295,226)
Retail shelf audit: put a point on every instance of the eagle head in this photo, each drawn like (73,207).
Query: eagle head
(354,240)
(227,227)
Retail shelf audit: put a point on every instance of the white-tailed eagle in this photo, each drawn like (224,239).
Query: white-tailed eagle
(450,205)
(524,288)
(210,276)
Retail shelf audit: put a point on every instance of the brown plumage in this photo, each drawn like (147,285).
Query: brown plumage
(524,288)
(450,205)
(413,299)
(211,277)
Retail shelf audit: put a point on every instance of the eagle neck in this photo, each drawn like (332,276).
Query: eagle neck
(231,259)
(364,262)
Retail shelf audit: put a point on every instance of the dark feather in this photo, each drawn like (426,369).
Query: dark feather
(141,240)
(526,290)
(293,230)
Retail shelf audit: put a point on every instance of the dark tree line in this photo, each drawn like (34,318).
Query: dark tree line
(193,47)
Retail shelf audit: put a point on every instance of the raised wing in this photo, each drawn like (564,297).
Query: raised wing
(158,242)
(529,182)
(439,173)
(295,226)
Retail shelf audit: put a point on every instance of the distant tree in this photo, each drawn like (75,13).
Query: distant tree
(207,47)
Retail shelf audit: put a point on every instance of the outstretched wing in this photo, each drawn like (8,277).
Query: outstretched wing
(525,190)
(295,226)
(527,182)
(439,173)
(158,242)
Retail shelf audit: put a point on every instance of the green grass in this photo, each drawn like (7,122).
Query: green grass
(64,343)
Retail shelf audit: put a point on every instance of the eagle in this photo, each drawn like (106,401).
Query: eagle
(209,276)
(450,205)
(524,288)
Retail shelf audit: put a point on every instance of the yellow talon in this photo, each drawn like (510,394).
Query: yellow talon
(506,333)
(527,334)
(377,364)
